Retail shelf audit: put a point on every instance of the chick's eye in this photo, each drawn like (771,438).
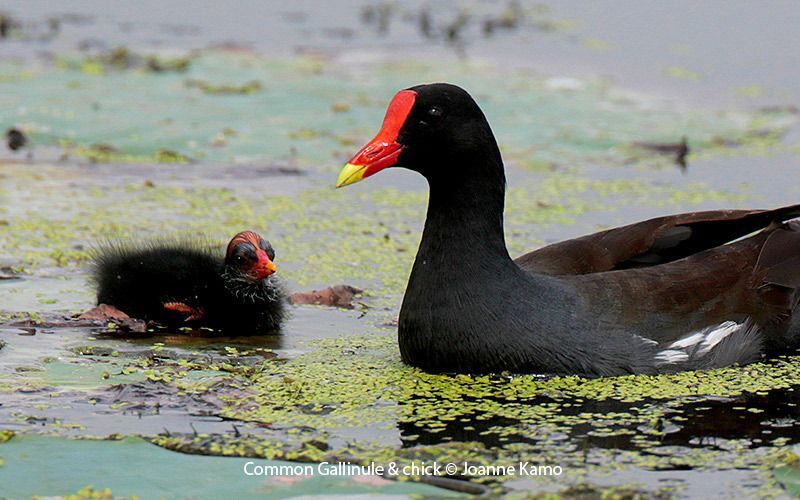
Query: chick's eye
(271,253)
(435,112)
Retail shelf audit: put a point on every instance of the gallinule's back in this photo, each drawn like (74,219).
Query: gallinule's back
(187,284)
(679,292)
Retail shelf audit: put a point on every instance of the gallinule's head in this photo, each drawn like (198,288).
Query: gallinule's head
(435,129)
(250,257)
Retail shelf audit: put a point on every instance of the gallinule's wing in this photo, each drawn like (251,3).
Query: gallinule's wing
(652,242)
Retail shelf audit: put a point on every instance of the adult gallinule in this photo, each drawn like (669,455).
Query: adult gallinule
(688,291)
(186,284)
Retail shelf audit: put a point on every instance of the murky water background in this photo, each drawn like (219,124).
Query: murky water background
(571,89)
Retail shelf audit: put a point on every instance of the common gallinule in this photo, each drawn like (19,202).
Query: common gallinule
(186,284)
(696,290)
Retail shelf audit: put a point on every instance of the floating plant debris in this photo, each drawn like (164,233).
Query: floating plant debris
(334,296)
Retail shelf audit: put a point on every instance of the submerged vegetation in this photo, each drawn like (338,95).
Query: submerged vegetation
(210,88)
(293,109)
(123,59)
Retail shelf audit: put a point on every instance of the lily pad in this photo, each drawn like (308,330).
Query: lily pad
(132,467)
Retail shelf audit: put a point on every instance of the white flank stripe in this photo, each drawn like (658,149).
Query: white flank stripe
(687,341)
(718,334)
(671,356)
(708,338)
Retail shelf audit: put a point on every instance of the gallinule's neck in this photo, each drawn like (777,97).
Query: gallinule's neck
(464,292)
(464,225)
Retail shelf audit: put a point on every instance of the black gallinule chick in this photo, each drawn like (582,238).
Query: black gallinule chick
(186,284)
(696,290)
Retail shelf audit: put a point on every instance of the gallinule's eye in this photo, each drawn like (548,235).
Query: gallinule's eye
(432,116)
(435,112)
(243,254)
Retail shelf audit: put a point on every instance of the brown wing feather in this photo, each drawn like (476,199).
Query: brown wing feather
(756,277)
(776,275)
(652,242)
(666,302)
(779,259)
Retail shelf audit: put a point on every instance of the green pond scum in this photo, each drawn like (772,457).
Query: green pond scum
(137,146)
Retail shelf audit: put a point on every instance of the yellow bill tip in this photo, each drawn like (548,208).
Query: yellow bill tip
(350,174)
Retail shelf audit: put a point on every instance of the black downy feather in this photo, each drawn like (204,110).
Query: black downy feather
(140,278)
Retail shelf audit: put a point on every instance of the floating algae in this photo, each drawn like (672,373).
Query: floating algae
(348,396)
